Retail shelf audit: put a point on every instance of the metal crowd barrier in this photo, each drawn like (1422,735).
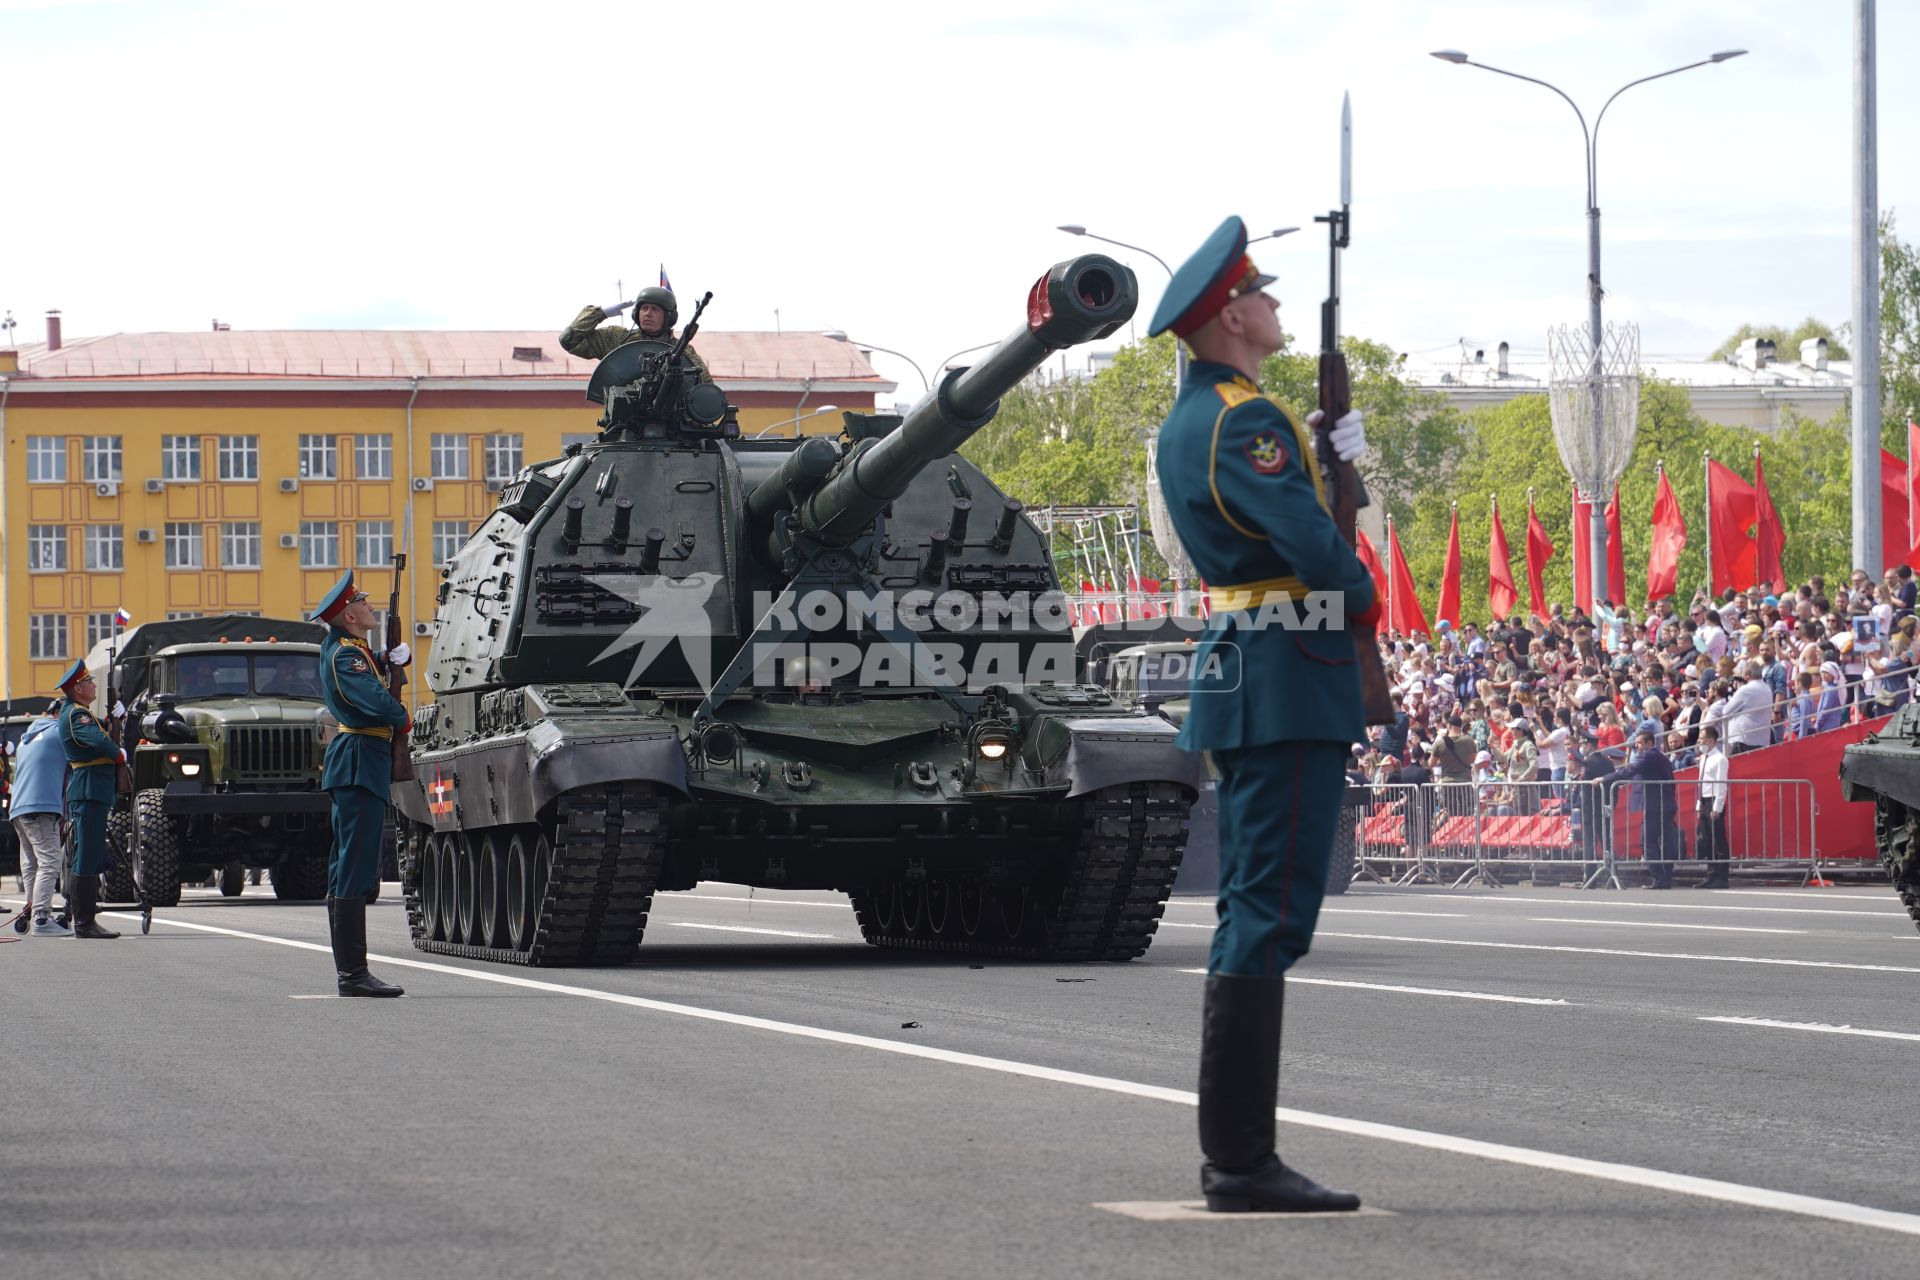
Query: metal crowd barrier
(1494,833)
(1767,825)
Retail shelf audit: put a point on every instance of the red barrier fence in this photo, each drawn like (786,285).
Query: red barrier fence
(1843,830)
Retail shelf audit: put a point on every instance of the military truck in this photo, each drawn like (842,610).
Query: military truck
(677,655)
(224,731)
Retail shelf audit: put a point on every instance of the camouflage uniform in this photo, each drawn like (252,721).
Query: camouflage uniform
(586,339)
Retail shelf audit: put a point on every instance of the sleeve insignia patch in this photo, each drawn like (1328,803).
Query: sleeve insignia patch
(1266,454)
(359,666)
(81,717)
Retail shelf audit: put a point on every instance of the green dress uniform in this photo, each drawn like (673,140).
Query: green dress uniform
(356,776)
(589,340)
(1276,702)
(93,762)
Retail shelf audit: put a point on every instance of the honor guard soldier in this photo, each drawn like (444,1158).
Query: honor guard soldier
(93,764)
(1277,705)
(654,309)
(359,768)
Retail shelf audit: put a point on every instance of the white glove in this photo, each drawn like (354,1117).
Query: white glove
(399,655)
(616,308)
(119,710)
(1349,438)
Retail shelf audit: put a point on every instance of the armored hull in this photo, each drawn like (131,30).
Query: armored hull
(675,656)
(1884,770)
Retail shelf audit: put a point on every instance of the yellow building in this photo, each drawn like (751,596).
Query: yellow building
(178,474)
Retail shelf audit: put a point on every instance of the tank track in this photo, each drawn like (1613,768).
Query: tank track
(609,846)
(1104,903)
(1898,832)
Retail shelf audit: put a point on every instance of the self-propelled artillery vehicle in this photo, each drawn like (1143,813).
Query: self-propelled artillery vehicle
(677,655)
(1884,769)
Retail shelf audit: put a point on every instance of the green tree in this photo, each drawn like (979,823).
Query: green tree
(1786,341)
(1899,335)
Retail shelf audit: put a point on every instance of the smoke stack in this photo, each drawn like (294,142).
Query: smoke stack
(53,330)
(1503,360)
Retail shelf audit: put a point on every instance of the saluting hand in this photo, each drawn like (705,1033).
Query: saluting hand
(616,308)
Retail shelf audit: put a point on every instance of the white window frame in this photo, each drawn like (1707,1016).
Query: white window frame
(182,541)
(180,458)
(46,542)
(448,454)
(106,548)
(99,627)
(46,459)
(448,537)
(47,637)
(242,534)
(505,455)
(100,459)
(240,458)
(319,544)
(373,457)
(319,457)
(372,544)
(180,615)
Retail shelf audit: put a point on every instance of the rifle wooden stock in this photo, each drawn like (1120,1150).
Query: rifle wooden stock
(1343,492)
(402,769)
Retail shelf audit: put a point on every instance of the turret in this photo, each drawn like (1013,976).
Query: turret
(1077,301)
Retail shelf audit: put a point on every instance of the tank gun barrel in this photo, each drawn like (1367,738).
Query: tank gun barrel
(1079,300)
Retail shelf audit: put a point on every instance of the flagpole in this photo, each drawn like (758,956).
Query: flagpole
(1389,573)
(1706,470)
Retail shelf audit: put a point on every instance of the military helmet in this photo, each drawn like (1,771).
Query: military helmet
(662,298)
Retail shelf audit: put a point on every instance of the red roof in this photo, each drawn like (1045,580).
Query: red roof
(428,353)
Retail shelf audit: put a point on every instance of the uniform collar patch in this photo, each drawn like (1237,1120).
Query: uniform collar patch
(1266,455)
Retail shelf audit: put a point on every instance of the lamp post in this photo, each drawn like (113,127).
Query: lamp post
(1597,528)
(840,335)
(796,420)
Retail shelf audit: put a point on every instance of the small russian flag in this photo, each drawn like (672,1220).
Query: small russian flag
(121,617)
(664,282)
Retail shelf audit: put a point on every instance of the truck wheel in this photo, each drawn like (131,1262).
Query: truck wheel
(117,885)
(300,880)
(233,879)
(156,849)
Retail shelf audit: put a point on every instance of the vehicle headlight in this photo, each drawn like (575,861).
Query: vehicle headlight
(185,766)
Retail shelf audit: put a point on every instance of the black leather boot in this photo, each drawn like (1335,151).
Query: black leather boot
(85,891)
(1239,1084)
(347,922)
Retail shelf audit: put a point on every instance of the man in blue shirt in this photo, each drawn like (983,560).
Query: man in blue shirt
(36,808)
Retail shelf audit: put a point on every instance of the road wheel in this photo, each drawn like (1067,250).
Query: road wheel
(466,869)
(233,879)
(430,922)
(1340,865)
(447,850)
(300,879)
(156,850)
(117,885)
(520,908)
(490,915)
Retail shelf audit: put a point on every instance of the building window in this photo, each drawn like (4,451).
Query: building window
(448,537)
(373,457)
(373,543)
(106,548)
(183,546)
(46,459)
(319,459)
(449,457)
(239,457)
(503,457)
(46,547)
(568,439)
(47,636)
(319,544)
(240,545)
(179,457)
(177,615)
(100,459)
(99,627)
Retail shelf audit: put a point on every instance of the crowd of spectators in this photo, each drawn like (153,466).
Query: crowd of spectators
(1539,699)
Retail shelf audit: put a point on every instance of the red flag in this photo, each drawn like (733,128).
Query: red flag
(1501,593)
(1448,610)
(1730,511)
(1913,490)
(1616,558)
(1406,616)
(1539,551)
(1370,557)
(1582,540)
(1669,537)
(1896,547)
(1769,538)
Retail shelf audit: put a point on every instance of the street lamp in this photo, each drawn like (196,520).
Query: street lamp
(797,419)
(840,335)
(1597,529)
(941,368)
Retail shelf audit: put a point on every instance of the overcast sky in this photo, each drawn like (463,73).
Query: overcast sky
(897,170)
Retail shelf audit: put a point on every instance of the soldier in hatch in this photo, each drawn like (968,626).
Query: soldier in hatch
(655,312)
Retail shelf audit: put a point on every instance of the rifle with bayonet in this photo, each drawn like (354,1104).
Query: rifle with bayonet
(402,770)
(671,361)
(1345,491)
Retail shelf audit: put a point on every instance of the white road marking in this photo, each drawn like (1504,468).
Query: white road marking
(1821,893)
(1636,904)
(741,928)
(751,902)
(1659,924)
(1412,991)
(1340,911)
(1616,951)
(1602,1170)
(1828,1028)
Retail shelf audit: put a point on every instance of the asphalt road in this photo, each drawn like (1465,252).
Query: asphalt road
(1530,1083)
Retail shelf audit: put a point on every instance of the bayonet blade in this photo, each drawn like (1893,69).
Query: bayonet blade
(1346,150)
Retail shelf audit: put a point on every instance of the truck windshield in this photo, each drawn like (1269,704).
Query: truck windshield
(236,675)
